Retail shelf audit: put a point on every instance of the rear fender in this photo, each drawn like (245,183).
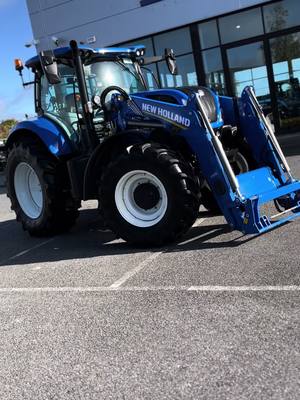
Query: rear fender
(50,134)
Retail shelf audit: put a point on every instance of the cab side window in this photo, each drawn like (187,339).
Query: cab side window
(59,102)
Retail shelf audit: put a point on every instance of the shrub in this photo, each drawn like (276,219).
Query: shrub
(5,127)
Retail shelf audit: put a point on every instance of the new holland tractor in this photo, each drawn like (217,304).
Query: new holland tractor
(150,157)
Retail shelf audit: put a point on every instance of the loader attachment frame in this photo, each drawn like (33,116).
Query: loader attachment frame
(269,130)
(219,149)
(273,179)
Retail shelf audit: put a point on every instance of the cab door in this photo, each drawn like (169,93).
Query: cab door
(60,102)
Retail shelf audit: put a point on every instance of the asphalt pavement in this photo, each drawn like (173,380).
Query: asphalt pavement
(86,316)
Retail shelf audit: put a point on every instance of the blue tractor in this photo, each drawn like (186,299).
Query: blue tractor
(150,157)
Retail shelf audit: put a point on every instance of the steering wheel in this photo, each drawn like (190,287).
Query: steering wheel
(107,91)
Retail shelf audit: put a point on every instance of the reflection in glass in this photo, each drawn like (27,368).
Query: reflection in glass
(281,15)
(285,52)
(208,33)
(178,40)
(150,74)
(187,73)
(247,67)
(213,67)
(241,26)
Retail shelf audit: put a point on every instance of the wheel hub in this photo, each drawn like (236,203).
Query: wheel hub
(141,198)
(28,190)
(146,196)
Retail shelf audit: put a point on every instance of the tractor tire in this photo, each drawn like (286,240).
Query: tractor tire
(209,201)
(36,188)
(239,165)
(149,195)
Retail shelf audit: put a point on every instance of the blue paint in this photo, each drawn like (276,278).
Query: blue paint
(178,114)
(66,52)
(227,110)
(257,187)
(54,138)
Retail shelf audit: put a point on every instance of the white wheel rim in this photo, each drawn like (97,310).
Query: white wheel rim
(127,205)
(28,190)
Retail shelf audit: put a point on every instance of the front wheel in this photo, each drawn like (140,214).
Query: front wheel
(149,195)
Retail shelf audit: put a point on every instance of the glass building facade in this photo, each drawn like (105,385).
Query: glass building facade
(259,46)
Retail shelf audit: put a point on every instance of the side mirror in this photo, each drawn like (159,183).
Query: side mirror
(171,61)
(49,66)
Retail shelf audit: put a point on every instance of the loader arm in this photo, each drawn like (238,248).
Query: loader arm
(240,198)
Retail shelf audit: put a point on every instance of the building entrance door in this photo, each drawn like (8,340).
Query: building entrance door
(276,83)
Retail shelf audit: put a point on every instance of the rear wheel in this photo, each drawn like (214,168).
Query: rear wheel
(149,195)
(36,186)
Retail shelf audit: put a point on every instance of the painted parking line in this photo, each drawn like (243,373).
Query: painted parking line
(188,289)
(22,253)
(279,288)
(128,275)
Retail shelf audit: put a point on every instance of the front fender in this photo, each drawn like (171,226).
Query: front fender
(50,133)
(103,154)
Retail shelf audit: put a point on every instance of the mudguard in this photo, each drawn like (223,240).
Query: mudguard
(51,134)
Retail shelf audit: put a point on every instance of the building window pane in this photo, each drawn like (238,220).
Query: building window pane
(152,81)
(147,42)
(248,67)
(281,15)
(285,52)
(213,67)
(186,73)
(208,33)
(241,26)
(179,41)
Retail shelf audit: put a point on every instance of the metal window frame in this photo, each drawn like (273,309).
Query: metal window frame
(145,3)
(198,58)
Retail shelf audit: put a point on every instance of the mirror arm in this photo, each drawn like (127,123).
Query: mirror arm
(28,83)
(150,60)
(169,57)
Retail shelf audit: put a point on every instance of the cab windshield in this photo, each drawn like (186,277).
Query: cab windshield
(102,74)
(62,101)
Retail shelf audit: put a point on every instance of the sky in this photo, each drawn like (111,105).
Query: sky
(15,31)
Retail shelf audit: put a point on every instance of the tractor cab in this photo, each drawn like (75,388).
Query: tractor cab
(59,98)
(74,93)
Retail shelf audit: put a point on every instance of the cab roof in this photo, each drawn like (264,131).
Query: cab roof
(89,52)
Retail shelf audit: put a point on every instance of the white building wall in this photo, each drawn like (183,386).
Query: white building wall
(115,21)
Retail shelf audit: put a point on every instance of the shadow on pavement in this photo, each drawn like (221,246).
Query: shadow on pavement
(88,240)
(290,144)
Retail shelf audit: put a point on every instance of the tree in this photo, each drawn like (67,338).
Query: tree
(285,47)
(5,127)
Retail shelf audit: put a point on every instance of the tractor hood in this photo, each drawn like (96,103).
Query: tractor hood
(181,97)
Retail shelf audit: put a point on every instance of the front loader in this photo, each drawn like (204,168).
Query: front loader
(150,157)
